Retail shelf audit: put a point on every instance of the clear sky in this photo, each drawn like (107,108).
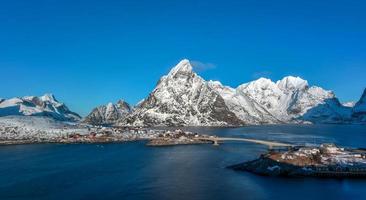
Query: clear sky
(92,52)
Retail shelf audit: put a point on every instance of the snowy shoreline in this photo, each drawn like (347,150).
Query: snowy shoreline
(35,130)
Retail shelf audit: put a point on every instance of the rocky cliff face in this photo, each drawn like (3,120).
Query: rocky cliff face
(46,105)
(108,114)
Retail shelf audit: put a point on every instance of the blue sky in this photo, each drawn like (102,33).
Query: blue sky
(92,52)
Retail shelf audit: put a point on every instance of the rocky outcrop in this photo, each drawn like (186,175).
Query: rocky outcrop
(108,114)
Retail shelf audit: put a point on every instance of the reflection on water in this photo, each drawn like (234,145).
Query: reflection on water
(133,171)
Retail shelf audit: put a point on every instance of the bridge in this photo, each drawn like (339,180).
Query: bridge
(270,144)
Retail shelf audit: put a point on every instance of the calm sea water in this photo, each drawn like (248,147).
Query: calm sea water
(134,171)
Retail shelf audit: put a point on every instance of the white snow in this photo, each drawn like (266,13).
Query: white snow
(46,105)
(180,98)
(27,127)
(349,104)
(184,98)
(292,83)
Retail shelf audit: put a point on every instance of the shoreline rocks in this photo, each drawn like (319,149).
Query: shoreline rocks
(327,161)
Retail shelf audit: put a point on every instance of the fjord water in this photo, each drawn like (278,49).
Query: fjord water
(134,171)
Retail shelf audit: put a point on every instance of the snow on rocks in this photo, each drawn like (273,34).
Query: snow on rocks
(349,104)
(326,154)
(45,105)
(182,98)
(108,114)
(292,83)
(35,128)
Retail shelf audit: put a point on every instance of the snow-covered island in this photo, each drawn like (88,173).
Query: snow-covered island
(327,160)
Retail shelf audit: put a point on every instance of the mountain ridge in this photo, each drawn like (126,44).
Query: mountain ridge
(46,105)
(183,98)
(108,114)
(262,101)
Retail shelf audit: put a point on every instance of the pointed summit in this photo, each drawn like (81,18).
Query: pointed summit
(123,105)
(360,106)
(184,66)
(48,97)
(363,97)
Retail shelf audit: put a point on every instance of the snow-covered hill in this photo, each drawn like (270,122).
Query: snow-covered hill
(45,105)
(108,114)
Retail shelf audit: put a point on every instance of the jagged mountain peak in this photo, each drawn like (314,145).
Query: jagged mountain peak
(292,83)
(182,98)
(48,97)
(360,106)
(109,113)
(110,107)
(363,97)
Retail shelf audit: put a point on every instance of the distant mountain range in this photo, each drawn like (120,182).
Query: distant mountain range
(45,105)
(183,98)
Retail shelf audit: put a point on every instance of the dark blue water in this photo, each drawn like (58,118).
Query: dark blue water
(133,171)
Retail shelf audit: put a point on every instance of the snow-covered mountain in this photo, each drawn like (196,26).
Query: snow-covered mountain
(293,100)
(45,105)
(359,110)
(108,114)
(247,110)
(182,98)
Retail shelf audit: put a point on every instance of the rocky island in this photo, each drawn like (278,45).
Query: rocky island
(327,161)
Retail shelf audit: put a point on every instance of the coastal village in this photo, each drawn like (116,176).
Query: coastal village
(43,132)
(122,134)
